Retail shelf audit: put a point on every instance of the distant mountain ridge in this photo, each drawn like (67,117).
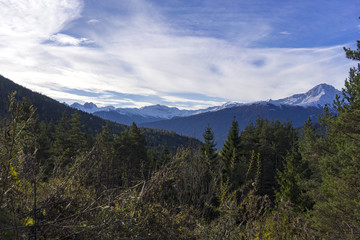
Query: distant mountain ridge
(296,108)
(143,114)
(318,96)
(90,107)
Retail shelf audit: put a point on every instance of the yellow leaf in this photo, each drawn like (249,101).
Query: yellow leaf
(14,174)
(29,221)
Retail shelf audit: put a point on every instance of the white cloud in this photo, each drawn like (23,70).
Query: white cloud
(196,104)
(139,53)
(93,21)
(285,33)
(63,39)
(35,20)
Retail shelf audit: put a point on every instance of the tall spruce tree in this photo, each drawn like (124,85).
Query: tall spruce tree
(208,148)
(231,143)
(290,181)
(210,158)
(229,152)
(131,154)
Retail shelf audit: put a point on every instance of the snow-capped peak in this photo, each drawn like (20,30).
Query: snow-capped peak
(161,111)
(90,107)
(321,94)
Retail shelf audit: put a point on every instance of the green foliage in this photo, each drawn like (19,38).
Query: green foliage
(210,156)
(242,213)
(131,155)
(229,152)
(16,140)
(231,143)
(334,160)
(208,149)
(273,141)
(353,54)
(113,186)
(285,222)
(290,181)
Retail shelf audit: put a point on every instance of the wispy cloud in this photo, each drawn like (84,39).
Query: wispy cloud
(285,33)
(93,21)
(63,39)
(137,49)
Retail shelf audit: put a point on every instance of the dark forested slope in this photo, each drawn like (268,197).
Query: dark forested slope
(49,109)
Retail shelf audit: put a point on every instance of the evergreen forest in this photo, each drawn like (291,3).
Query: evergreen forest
(59,180)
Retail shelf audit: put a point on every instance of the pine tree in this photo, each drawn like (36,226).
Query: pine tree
(229,152)
(61,141)
(108,172)
(138,151)
(131,155)
(290,181)
(76,135)
(208,149)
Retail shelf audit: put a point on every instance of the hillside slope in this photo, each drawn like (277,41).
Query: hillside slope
(49,109)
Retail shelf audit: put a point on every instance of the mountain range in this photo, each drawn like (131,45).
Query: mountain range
(178,123)
(296,108)
(318,96)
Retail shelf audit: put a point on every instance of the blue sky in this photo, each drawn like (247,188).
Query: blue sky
(182,53)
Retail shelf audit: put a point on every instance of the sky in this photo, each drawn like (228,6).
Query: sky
(189,54)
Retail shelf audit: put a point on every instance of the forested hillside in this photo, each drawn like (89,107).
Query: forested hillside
(59,182)
(51,111)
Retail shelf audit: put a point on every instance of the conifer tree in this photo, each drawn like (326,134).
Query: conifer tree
(210,161)
(229,152)
(131,154)
(208,148)
(61,141)
(138,150)
(77,136)
(290,181)
(335,156)
(108,170)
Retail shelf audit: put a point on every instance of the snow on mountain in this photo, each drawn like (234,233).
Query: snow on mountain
(157,111)
(217,108)
(320,95)
(90,107)
(153,111)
